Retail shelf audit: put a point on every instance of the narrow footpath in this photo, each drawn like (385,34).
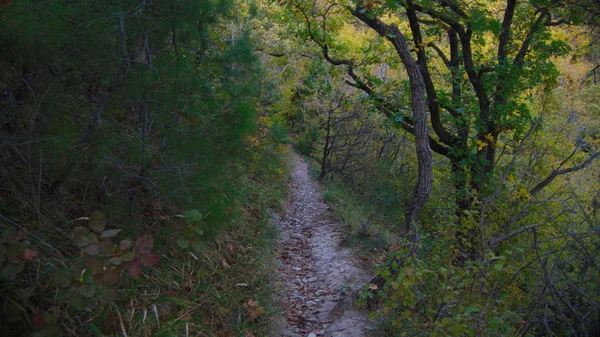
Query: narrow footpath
(317,276)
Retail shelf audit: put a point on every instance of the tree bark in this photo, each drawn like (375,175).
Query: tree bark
(326,147)
(417,89)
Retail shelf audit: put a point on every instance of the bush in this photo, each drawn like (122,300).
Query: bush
(279,131)
(307,143)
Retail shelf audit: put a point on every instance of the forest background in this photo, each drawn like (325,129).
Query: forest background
(143,148)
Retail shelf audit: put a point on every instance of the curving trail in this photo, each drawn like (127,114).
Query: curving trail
(318,276)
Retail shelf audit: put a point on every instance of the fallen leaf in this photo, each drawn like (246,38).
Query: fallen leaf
(80,236)
(254,312)
(147,259)
(144,243)
(128,257)
(97,221)
(106,247)
(93,250)
(109,233)
(134,269)
(125,244)
(30,254)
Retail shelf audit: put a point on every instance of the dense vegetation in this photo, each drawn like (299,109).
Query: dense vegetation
(136,164)
(142,147)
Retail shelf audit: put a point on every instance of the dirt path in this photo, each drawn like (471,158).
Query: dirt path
(318,276)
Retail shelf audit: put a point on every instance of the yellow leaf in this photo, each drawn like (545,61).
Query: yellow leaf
(481,145)
(489,137)
(373,287)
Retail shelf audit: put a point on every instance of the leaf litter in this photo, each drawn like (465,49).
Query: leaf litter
(317,276)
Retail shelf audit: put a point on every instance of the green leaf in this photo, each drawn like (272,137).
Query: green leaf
(495,323)
(87,290)
(183,243)
(498,266)
(193,216)
(199,246)
(95,330)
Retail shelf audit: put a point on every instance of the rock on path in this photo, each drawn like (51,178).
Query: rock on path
(318,276)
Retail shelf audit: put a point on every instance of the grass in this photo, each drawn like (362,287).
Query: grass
(225,289)
(353,212)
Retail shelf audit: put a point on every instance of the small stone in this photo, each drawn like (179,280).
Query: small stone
(312,334)
(312,279)
(296,268)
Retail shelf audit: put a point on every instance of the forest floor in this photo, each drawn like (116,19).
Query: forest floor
(317,276)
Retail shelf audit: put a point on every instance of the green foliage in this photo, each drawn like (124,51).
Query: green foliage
(432,296)
(307,144)
(141,110)
(502,252)
(279,131)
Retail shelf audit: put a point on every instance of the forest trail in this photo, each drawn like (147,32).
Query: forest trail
(317,276)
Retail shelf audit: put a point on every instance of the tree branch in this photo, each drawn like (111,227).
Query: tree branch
(558,172)
(493,242)
(440,54)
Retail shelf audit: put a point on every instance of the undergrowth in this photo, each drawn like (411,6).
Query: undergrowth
(93,276)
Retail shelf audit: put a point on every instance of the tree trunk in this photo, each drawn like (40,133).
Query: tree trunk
(417,89)
(467,235)
(326,147)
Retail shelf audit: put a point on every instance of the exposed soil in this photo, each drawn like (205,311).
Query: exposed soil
(317,275)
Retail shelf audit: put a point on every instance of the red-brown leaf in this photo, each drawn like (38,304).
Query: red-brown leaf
(112,277)
(144,243)
(134,269)
(30,254)
(147,259)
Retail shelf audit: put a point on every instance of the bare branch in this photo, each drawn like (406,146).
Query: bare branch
(558,172)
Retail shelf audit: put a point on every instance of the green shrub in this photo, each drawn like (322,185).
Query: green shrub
(307,144)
